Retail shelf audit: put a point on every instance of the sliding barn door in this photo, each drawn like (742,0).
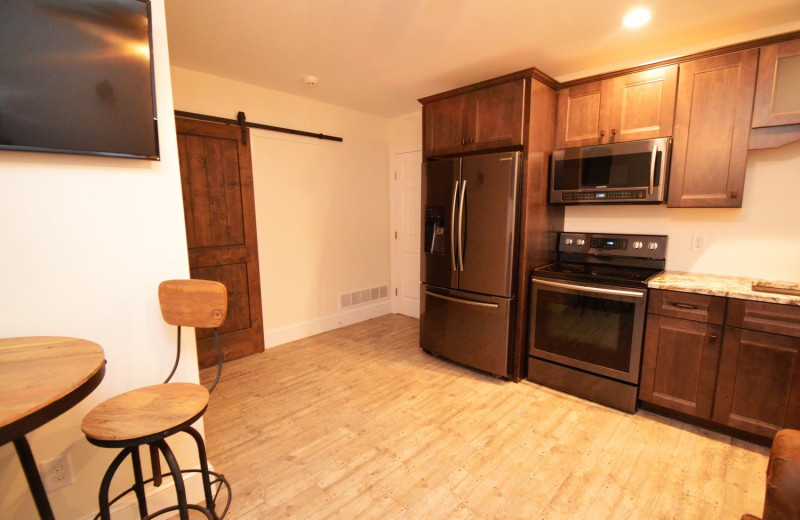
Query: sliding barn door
(218,204)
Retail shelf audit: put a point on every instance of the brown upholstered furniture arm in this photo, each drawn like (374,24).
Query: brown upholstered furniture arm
(782,501)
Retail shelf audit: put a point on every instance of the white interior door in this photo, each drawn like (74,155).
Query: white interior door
(406,222)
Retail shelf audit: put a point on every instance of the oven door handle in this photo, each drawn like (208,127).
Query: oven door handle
(585,288)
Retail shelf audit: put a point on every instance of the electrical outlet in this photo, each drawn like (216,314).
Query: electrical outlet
(56,473)
(698,242)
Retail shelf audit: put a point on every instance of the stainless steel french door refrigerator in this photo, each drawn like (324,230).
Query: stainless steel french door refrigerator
(469,212)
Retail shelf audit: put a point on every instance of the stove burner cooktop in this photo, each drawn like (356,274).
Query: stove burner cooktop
(605,274)
(608,259)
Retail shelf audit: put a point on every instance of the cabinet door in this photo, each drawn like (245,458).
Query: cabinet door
(679,364)
(582,112)
(444,122)
(712,127)
(758,387)
(642,104)
(778,86)
(495,115)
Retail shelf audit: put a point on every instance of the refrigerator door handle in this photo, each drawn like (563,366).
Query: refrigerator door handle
(461,300)
(461,225)
(453,227)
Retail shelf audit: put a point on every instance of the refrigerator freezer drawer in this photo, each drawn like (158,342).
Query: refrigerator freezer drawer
(467,328)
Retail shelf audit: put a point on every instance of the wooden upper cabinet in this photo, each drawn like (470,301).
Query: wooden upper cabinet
(643,104)
(444,126)
(635,106)
(712,128)
(495,116)
(777,99)
(490,117)
(579,120)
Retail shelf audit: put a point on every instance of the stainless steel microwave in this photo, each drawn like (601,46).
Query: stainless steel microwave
(632,172)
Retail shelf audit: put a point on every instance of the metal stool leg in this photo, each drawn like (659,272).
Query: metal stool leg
(177,478)
(105,507)
(201,451)
(138,482)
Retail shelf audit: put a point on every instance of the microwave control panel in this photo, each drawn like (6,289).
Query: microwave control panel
(599,196)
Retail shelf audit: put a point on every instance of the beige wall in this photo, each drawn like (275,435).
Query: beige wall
(759,240)
(86,240)
(321,206)
(405,132)
(737,240)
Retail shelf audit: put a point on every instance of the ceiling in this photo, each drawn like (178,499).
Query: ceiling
(380,56)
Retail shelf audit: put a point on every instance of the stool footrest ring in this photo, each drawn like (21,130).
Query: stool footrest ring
(217,479)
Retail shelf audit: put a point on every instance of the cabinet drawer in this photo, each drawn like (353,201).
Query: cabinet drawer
(688,306)
(764,317)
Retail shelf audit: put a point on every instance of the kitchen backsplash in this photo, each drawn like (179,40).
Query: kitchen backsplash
(759,240)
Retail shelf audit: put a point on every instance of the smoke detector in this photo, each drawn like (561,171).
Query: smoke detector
(310,80)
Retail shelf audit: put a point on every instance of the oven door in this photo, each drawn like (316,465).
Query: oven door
(592,327)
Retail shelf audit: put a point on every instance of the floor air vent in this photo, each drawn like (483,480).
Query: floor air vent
(364,296)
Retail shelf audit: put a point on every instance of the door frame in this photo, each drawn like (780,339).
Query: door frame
(394,220)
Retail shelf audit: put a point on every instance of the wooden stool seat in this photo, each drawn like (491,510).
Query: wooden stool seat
(151,411)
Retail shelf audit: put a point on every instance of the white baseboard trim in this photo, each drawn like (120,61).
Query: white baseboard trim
(281,335)
(158,497)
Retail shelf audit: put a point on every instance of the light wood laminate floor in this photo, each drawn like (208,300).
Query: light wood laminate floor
(360,423)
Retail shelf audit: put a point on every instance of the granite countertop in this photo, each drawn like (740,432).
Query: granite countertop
(728,286)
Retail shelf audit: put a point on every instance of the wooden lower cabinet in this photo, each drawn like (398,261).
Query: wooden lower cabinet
(758,388)
(745,375)
(679,366)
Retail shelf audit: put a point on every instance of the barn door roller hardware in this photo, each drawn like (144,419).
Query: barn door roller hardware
(241,120)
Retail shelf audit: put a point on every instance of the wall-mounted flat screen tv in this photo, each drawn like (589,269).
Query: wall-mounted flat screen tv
(76,76)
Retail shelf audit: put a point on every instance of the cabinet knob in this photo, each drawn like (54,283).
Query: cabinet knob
(463,141)
(712,338)
(602,133)
(734,194)
(613,132)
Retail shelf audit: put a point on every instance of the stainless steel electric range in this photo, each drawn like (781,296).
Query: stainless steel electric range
(587,315)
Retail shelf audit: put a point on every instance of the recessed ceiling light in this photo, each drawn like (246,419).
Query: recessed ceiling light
(310,80)
(636,18)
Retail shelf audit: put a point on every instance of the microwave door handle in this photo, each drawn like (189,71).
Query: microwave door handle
(461,225)
(453,227)
(653,156)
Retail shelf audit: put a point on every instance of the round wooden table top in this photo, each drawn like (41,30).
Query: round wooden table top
(42,377)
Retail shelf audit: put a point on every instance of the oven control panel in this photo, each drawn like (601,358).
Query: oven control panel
(602,244)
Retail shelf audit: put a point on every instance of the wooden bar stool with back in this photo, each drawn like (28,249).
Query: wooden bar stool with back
(147,416)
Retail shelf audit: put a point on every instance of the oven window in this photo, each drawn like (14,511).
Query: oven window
(591,329)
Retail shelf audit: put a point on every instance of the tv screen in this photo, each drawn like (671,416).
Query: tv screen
(76,77)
